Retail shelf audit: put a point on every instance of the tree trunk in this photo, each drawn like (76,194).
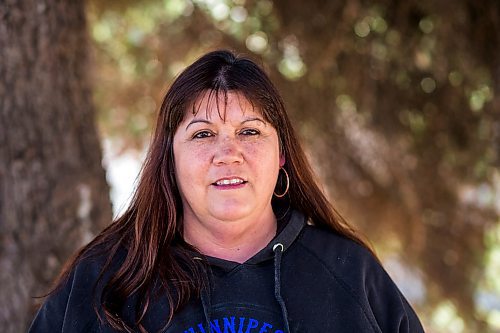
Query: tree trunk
(53,192)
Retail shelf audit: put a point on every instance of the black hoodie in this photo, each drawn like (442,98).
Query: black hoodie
(305,280)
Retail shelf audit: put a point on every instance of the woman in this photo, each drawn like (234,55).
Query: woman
(216,238)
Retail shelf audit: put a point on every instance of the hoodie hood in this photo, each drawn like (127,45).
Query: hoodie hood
(289,228)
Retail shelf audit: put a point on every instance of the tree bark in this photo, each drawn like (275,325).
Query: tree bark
(53,192)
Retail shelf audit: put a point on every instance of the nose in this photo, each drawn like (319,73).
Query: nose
(228,151)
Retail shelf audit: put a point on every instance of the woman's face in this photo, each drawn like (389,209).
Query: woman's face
(227,169)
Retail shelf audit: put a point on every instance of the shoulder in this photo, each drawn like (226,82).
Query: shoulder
(346,260)
(361,275)
(348,263)
(336,251)
(92,270)
(70,307)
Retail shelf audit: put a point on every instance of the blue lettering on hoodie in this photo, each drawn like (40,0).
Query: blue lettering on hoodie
(231,325)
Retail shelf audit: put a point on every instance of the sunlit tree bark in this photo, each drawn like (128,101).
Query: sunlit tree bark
(53,193)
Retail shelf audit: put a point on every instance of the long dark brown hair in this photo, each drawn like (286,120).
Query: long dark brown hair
(150,232)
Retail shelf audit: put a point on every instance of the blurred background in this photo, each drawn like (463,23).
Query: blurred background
(396,102)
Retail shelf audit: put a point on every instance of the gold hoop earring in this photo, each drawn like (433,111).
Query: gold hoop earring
(287,185)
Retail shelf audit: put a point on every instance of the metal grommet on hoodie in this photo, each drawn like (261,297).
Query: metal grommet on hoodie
(278,245)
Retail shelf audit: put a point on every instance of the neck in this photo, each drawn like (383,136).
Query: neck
(235,240)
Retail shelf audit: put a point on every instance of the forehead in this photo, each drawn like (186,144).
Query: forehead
(221,104)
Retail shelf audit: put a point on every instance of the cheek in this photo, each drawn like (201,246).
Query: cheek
(197,157)
(191,161)
(266,147)
(262,155)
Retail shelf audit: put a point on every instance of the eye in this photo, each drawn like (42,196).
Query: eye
(250,131)
(202,135)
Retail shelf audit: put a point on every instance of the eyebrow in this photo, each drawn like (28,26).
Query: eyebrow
(194,121)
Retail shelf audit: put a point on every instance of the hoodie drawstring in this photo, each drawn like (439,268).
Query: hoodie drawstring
(206,298)
(206,302)
(207,306)
(278,249)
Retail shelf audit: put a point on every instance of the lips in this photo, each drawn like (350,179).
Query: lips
(229,181)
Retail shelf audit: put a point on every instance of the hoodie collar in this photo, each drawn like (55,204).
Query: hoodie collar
(289,229)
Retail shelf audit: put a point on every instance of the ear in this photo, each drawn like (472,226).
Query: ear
(282,160)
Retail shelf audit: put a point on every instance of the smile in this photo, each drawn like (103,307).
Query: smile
(229,182)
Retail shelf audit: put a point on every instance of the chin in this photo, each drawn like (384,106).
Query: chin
(230,212)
